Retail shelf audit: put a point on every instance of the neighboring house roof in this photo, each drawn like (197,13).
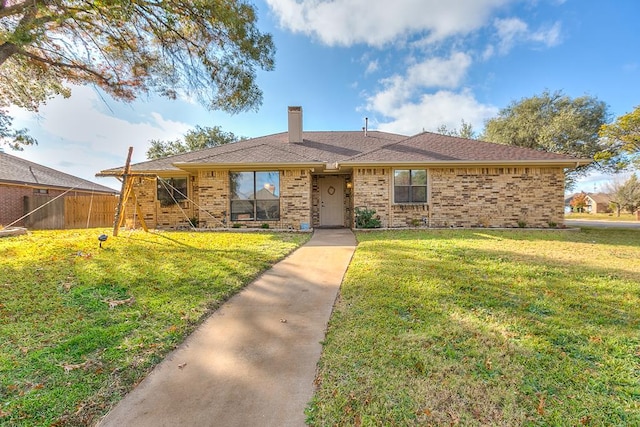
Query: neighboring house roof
(17,171)
(352,148)
(600,197)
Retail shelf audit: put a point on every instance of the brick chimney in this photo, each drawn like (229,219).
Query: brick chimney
(295,124)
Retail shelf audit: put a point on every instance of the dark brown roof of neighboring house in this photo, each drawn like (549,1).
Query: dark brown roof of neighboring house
(14,170)
(354,148)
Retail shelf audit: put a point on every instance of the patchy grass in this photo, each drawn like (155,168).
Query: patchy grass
(602,216)
(81,326)
(485,328)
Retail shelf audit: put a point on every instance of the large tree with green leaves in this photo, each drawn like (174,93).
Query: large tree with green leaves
(195,139)
(206,49)
(553,122)
(623,137)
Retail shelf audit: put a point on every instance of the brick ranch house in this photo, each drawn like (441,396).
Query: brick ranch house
(598,203)
(21,180)
(298,180)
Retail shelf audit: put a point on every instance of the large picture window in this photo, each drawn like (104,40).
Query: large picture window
(171,190)
(410,186)
(255,195)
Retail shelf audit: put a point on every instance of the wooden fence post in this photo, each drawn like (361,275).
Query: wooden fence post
(124,192)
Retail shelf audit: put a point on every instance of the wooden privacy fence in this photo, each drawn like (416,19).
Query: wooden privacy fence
(70,211)
(80,211)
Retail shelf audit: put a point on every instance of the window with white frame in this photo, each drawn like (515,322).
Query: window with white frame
(255,195)
(410,186)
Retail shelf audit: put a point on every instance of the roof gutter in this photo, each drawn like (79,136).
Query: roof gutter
(337,166)
(476,163)
(55,187)
(189,166)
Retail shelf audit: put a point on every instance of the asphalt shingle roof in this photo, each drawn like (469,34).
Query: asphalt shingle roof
(600,197)
(352,147)
(433,147)
(15,170)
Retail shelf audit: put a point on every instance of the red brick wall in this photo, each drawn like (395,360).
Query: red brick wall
(12,203)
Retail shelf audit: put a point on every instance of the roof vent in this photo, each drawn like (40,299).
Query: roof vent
(295,124)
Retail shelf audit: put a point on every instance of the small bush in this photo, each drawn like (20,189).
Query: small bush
(522,223)
(265,225)
(365,218)
(236,225)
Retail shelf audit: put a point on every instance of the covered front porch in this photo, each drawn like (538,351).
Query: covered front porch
(332,200)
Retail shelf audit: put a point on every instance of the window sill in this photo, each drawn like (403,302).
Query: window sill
(411,204)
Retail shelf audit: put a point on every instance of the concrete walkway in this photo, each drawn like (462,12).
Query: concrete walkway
(253,362)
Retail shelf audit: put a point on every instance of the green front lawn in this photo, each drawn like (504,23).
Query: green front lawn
(80,326)
(477,328)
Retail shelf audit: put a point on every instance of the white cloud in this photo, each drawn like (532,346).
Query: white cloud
(372,67)
(376,22)
(408,108)
(434,110)
(550,36)
(512,31)
(84,118)
(429,93)
(431,73)
(488,52)
(80,136)
(437,72)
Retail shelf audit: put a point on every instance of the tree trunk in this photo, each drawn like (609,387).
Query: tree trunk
(6,51)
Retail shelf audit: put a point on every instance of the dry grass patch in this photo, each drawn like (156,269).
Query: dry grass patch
(602,216)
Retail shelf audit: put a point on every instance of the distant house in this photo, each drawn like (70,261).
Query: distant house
(299,180)
(598,203)
(24,185)
(594,202)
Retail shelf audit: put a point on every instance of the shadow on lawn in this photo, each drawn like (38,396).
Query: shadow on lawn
(69,304)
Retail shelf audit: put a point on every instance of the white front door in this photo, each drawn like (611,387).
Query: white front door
(331,201)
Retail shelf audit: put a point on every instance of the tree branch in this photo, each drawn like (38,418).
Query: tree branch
(67,65)
(14,9)
(7,49)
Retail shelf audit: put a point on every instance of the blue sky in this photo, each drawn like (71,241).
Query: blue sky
(407,65)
